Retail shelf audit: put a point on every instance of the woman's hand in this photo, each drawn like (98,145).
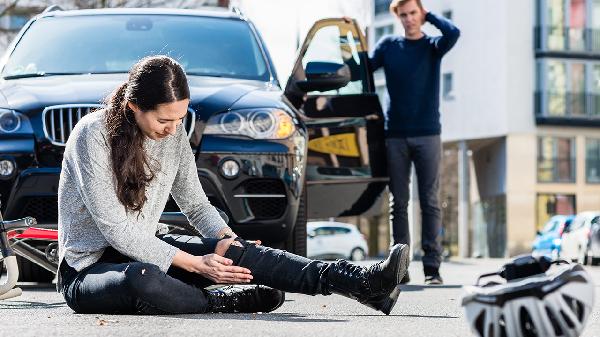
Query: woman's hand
(220,269)
(212,266)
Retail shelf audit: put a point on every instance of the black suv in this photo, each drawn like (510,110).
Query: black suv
(267,157)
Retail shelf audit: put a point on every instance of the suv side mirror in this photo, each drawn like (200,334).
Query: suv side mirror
(324,76)
(311,234)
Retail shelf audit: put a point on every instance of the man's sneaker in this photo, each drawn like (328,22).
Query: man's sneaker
(432,276)
(405,279)
(239,298)
(433,280)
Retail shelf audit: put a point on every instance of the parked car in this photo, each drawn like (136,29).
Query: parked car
(594,251)
(548,240)
(253,140)
(334,240)
(576,238)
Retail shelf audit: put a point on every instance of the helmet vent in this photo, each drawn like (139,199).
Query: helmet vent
(479,323)
(527,327)
(576,306)
(567,319)
(502,324)
(552,318)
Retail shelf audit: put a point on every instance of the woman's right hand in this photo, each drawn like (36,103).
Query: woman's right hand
(218,269)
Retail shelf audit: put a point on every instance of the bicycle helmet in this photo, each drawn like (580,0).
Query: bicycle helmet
(532,300)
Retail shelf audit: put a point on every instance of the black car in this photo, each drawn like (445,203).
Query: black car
(269,158)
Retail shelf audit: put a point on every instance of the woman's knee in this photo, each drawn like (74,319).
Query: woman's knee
(143,279)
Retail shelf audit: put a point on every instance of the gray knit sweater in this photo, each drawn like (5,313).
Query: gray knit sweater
(91,217)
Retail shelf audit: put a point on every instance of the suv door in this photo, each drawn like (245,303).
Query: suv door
(332,87)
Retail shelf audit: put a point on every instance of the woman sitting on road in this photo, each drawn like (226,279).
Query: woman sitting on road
(120,164)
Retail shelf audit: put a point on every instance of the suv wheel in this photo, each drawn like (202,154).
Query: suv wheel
(296,243)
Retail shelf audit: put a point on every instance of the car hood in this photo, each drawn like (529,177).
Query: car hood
(208,94)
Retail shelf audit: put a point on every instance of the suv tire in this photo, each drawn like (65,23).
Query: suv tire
(296,242)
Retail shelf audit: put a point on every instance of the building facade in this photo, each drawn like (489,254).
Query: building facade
(520,105)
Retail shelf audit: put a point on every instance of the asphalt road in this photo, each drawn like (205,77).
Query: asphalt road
(421,311)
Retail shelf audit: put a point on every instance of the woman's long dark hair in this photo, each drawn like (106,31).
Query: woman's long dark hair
(152,81)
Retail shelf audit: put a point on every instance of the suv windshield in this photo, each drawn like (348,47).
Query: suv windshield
(113,43)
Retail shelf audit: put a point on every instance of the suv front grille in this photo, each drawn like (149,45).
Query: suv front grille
(43,209)
(59,120)
(267,207)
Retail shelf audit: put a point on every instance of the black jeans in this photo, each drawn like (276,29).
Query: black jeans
(425,153)
(117,284)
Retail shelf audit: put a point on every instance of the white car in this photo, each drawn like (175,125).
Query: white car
(333,240)
(576,237)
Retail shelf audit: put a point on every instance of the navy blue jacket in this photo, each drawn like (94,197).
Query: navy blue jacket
(412,73)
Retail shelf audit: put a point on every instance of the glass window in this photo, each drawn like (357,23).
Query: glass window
(331,44)
(549,205)
(113,43)
(383,31)
(592,160)
(577,90)
(577,24)
(595,26)
(447,88)
(556,24)
(382,6)
(595,91)
(557,88)
(556,159)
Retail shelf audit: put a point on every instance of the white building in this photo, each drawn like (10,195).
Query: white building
(521,99)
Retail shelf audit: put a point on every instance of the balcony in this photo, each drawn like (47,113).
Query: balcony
(567,41)
(576,109)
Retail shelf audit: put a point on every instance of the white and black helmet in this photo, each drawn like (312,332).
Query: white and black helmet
(532,301)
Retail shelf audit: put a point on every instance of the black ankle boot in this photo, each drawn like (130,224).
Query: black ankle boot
(376,286)
(248,299)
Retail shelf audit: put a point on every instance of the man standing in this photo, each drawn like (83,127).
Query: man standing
(412,122)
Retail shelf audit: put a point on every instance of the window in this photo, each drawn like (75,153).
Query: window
(383,31)
(556,160)
(382,6)
(336,44)
(569,25)
(569,88)
(549,205)
(592,160)
(447,89)
(233,48)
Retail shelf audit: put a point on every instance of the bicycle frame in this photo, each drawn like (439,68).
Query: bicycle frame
(14,230)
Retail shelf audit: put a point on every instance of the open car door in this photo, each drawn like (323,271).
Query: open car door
(332,87)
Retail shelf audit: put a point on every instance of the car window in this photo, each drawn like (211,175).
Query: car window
(342,230)
(329,44)
(113,43)
(551,226)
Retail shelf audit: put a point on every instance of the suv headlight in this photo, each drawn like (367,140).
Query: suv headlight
(12,121)
(253,123)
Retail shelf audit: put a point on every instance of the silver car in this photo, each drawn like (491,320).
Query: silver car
(576,237)
(332,240)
